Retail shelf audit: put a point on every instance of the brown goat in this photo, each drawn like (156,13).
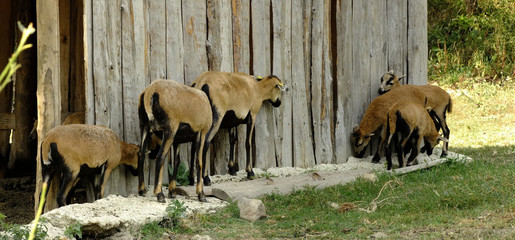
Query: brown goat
(181,114)
(438,101)
(410,121)
(236,99)
(67,149)
(375,116)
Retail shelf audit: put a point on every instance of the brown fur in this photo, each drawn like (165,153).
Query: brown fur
(375,117)
(417,119)
(243,94)
(74,118)
(438,100)
(181,104)
(92,145)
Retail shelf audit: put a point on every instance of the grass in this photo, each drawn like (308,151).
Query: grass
(452,200)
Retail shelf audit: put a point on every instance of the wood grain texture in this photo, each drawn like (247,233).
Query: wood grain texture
(397,36)
(48,93)
(344,109)
(417,42)
(195,36)
(220,58)
(303,151)
(133,78)
(281,15)
(264,130)
(241,57)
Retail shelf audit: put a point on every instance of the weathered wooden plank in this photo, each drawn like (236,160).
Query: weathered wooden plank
(344,119)
(417,42)
(22,158)
(265,147)
(397,36)
(281,15)
(360,95)
(378,45)
(6,41)
(241,57)
(133,64)
(303,152)
(7,121)
(194,35)
(107,77)
(321,82)
(157,24)
(77,74)
(48,93)
(88,61)
(175,55)
(220,58)
(64,29)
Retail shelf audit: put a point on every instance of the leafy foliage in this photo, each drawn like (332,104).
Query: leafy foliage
(480,43)
(182,174)
(16,231)
(74,231)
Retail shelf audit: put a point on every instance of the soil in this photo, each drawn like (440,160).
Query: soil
(17,199)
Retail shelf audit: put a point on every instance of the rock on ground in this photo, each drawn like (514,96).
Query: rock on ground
(251,209)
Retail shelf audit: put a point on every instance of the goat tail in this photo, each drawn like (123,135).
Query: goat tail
(449,106)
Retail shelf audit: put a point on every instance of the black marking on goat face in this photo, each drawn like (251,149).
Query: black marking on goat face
(277,102)
(386,85)
(230,120)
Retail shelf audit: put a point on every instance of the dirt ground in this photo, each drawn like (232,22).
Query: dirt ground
(17,199)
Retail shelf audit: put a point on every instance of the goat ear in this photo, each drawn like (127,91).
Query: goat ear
(401,78)
(391,71)
(442,139)
(360,141)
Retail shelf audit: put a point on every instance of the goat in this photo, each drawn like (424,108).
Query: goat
(438,100)
(181,114)
(69,148)
(411,122)
(74,118)
(236,99)
(375,118)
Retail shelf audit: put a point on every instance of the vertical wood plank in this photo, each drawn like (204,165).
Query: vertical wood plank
(281,15)
(303,152)
(344,118)
(360,95)
(417,42)
(220,58)
(378,45)
(48,94)
(107,77)
(194,36)
(397,36)
(25,78)
(77,74)
(88,61)
(321,82)
(241,57)
(264,140)
(133,64)
(175,55)
(157,24)
(6,41)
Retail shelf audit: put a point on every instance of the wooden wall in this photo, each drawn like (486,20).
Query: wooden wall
(331,53)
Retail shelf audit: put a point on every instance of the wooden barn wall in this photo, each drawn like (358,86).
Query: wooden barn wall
(331,54)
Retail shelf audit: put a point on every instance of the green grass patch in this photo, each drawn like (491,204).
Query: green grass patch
(452,200)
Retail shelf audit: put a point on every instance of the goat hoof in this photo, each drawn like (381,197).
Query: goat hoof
(202,197)
(233,171)
(142,192)
(207,181)
(444,154)
(250,175)
(161,197)
(376,159)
